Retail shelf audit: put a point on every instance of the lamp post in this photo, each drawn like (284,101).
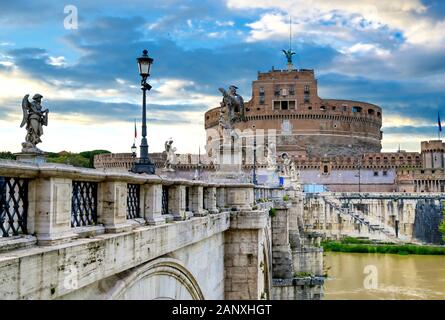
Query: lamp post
(144,164)
(254,180)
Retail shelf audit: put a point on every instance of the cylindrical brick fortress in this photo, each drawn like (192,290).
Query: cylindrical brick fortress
(287,101)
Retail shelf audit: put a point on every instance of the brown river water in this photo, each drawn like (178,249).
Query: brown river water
(363,276)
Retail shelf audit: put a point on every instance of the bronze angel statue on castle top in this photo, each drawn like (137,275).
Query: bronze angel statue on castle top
(34,117)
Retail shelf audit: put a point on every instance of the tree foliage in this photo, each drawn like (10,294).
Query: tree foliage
(7,155)
(82,159)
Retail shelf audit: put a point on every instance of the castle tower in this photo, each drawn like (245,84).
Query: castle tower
(433,154)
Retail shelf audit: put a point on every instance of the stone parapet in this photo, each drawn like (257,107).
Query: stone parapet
(44,272)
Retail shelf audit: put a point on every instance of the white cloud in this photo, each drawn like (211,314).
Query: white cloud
(217,34)
(365,48)
(6,63)
(56,61)
(225,23)
(403,15)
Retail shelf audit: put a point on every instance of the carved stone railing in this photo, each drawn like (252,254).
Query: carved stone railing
(54,203)
(265,193)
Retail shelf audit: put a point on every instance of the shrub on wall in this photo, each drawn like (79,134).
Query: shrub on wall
(272,212)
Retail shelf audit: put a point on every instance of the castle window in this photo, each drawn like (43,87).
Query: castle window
(323,108)
(284,92)
(284,105)
(376,173)
(307,89)
(371,111)
(307,98)
(261,91)
(333,108)
(325,169)
(291,90)
(276,105)
(277,91)
(262,100)
(385,173)
(356,109)
(345,108)
(379,114)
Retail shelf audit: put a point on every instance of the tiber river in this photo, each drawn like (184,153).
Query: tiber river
(384,276)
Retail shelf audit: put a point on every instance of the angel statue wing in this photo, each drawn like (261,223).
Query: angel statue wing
(25,108)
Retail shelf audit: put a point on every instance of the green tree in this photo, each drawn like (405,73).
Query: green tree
(7,155)
(73,159)
(90,155)
(82,159)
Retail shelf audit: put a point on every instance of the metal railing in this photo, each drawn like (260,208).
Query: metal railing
(84,204)
(165,190)
(187,198)
(133,200)
(13,206)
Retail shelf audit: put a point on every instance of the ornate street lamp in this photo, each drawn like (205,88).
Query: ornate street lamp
(144,164)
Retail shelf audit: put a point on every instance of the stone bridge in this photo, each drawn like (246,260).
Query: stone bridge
(75,233)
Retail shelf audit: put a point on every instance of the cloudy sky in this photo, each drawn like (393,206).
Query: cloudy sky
(391,53)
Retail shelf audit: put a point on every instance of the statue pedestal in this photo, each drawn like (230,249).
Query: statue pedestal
(31,157)
(229,166)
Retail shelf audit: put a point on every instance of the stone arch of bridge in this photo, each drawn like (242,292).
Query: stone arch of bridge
(163,278)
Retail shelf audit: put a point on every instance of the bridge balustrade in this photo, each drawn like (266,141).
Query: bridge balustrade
(54,203)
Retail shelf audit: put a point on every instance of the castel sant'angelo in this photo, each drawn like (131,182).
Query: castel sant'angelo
(307,125)
(335,144)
